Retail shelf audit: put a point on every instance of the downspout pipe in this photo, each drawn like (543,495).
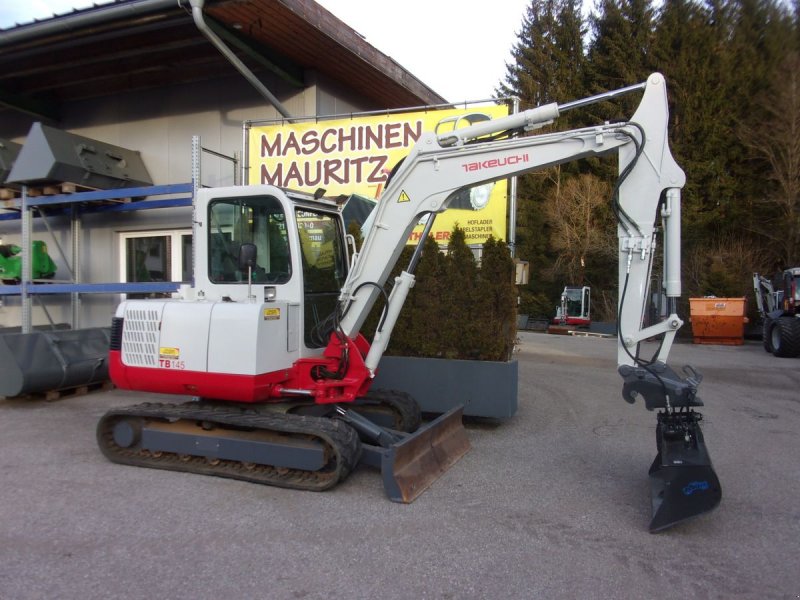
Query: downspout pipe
(199,21)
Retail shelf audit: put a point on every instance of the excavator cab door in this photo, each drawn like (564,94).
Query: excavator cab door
(322,250)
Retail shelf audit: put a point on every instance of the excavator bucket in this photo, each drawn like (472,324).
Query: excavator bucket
(683,481)
(412,464)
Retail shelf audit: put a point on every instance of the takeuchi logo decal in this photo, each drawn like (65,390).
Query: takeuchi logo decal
(494,163)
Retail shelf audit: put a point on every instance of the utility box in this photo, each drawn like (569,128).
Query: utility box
(718,320)
(522,272)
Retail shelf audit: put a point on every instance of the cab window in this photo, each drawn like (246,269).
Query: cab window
(257,220)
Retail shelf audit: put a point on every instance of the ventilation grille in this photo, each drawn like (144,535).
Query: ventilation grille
(115,342)
(140,337)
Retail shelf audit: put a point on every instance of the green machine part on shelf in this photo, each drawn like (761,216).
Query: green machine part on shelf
(42,266)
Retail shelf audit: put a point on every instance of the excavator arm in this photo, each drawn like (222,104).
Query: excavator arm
(647,194)
(441,165)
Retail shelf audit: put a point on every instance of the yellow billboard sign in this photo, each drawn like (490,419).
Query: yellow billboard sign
(355,156)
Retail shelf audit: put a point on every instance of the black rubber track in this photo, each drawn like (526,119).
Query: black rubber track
(404,409)
(343,448)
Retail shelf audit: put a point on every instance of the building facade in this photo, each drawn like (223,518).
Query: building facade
(143,75)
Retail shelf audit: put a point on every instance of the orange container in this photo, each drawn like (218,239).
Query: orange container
(718,320)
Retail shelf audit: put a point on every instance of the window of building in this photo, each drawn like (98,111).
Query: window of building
(153,256)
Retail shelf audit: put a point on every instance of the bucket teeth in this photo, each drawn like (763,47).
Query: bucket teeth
(683,481)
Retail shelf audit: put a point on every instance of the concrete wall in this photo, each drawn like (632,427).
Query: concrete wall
(160,124)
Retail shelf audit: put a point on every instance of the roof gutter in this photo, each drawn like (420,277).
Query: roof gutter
(202,26)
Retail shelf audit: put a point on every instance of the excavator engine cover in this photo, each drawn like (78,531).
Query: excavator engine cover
(683,481)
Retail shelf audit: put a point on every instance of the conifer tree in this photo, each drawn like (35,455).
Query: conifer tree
(496,286)
(460,296)
(425,314)
(776,141)
(534,69)
(620,52)
(690,50)
(549,64)
(760,39)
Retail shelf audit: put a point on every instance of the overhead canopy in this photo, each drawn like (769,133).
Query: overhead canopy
(131,45)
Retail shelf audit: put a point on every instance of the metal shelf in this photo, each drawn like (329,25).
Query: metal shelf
(150,287)
(66,200)
(75,205)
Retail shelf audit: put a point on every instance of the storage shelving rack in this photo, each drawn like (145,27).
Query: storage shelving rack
(27,206)
(76,204)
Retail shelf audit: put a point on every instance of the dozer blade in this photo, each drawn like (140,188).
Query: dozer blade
(683,481)
(412,464)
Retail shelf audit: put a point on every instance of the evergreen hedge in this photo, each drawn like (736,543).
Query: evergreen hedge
(456,309)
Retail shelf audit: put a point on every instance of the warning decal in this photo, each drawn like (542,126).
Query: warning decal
(272,314)
(403,197)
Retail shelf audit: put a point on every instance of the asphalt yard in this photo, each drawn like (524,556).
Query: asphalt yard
(554,502)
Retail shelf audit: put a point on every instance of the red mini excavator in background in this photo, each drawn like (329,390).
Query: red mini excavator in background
(575,307)
(268,340)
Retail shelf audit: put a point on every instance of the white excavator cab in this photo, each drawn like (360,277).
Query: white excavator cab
(299,251)
(268,267)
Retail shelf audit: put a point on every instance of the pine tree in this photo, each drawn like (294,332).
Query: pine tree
(796,25)
(460,296)
(549,67)
(718,56)
(776,140)
(760,39)
(690,49)
(534,69)
(620,52)
(427,315)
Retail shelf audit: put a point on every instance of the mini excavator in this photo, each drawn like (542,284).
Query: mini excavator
(267,339)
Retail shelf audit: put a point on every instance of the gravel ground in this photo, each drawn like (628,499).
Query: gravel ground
(551,503)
